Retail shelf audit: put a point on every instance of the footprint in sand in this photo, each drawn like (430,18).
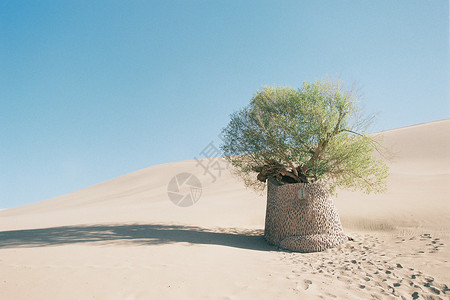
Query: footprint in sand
(434,244)
(306,284)
(331,295)
(380,276)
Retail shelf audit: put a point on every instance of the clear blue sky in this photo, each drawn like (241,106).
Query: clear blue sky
(91,90)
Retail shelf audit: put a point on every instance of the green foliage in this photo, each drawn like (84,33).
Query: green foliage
(315,133)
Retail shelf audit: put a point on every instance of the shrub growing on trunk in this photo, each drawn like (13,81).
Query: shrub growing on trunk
(312,134)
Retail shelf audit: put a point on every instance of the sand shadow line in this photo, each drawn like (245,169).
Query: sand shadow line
(134,234)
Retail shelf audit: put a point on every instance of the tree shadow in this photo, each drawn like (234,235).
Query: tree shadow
(135,234)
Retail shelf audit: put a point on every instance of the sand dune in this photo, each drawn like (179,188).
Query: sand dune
(124,238)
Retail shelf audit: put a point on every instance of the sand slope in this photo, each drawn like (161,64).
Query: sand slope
(124,238)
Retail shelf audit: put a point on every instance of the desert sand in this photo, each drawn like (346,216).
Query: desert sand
(124,238)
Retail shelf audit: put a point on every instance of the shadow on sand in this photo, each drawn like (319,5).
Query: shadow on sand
(136,234)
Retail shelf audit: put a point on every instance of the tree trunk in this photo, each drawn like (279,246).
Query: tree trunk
(302,217)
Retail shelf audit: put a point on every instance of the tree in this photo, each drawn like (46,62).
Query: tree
(312,134)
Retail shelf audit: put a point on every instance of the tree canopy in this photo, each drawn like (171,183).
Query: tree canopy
(312,134)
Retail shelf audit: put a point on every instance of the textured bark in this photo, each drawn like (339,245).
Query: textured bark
(279,173)
(310,224)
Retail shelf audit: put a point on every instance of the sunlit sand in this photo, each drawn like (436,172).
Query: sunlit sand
(125,239)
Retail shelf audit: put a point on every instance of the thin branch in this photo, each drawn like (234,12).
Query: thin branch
(261,124)
(374,143)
